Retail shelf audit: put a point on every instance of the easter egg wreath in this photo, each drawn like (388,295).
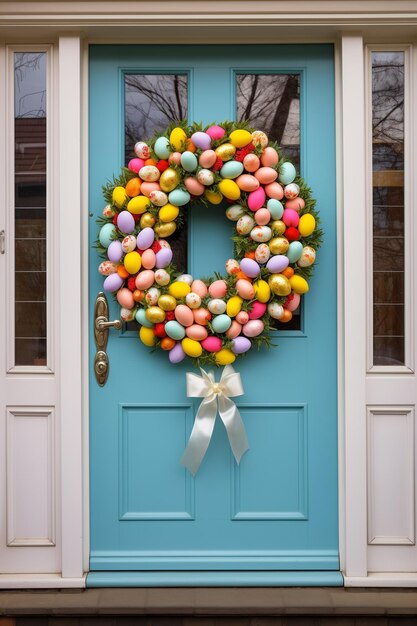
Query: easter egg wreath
(275,241)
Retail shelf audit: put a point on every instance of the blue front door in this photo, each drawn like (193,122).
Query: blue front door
(277,513)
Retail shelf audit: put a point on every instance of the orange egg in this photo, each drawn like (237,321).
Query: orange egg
(150,162)
(190,146)
(288,272)
(122,271)
(286,317)
(167,343)
(242,275)
(133,187)
(250,255)
(138,295)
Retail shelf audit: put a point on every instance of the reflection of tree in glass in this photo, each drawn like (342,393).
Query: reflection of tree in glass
(152,101)
(30,79)
(271,102)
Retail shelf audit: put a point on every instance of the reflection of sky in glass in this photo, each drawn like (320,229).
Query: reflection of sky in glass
(30,84)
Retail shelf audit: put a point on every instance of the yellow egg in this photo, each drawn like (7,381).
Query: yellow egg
(240,138)
(213,197)
(224,357)
(168,213)
(146,219)
(262,290)
(167,302)
(279,245)
(225,152)
(306,225)
(178,139)
(233,306)
(165,230)
(298,284)
(179,290)
(146,336)
(155,315)
(278,227)
(279,284)
(191,347)
(119,196)
(133,262)
(138,205)
(229,189)
(169,180)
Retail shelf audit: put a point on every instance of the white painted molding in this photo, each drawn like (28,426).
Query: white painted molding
(382,579)
(353,125)
(40,581)
(70,307)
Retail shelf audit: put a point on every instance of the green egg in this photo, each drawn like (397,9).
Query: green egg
(179,197)
(189,161)
(275,208)
(231,169)
(294,251)
(175,330)
(287,173)
(107,234)
(221,323)
(161,148)
(142,319)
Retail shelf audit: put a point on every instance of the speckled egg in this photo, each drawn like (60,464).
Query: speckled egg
(259,138)
(244,225)
(162,277)
(232,266)
(149,173)
(262,253)
(261,233)
(107,267)
(142,150)
(152,296)
(205,177)
(275,310)
(129,244)
(193,301)
(291,191)
(234,212)
(308,256)
(158,198)
(216,306)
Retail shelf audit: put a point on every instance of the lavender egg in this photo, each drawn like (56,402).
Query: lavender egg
(250,267)
(241,345)
(145,238)
(201,140)
(177,354)
(163,258)
(277,263)
(125,222)
(115,251)
(113,282)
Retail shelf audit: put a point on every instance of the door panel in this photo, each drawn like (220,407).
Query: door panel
(278,509)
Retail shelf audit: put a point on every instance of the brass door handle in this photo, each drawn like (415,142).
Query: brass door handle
(101,333)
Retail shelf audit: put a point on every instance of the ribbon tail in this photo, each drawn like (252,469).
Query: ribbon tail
(200,435)
(235,428)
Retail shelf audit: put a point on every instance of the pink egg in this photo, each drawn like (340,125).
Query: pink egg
(146,188)
(218,289)
(256,199)
(197,332)
(266,175)
(251,162)
(234,330)
(262,217)
(257,310)
(135,165)
(290,217)
(145,279)
(274,190)
(175,158)
(242,317)
(216,132)
(245,289)
(269,157)
(193,186)
(107,267)
(293,301)
(184,315)
(297,204)
(253,328)
(148,259)
(125,298)
(207,158)
(247,182)
(198,287)
(212,344)
(201,316)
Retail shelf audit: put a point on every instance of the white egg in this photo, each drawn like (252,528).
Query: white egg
(185,278)
(216,306)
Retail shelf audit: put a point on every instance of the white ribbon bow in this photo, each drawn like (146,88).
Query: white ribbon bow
(216,399)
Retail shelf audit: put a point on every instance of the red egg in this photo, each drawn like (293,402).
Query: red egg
(292,234)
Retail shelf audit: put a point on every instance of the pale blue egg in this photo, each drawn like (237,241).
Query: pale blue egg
(142,319)
(294,251)
(189,161)
(275,208)
(107,234)
(161,148)
(231,169)
(179,197)
(287,173)
(221,323)
(175,330)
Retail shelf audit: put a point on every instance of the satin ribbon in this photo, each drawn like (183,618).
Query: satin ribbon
(216,400)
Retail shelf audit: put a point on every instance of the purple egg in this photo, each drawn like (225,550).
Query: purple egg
(113,282)
(241,345)
(176,354)
(145,238)
(277,263)
(115,251)
(163,258)
(250,267)
(125,222)
(201,140)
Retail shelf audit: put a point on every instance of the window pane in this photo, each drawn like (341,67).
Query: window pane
(271,102)
(388,207)
(30,207)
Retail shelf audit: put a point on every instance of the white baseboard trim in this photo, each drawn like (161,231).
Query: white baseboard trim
(382,579)
(40,581)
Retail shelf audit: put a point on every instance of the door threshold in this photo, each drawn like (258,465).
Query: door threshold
(216,579)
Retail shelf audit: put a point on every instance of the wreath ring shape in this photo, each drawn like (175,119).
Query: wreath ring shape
(275,240)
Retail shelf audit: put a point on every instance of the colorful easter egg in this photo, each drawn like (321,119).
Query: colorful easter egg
(107,267)
(142,319)
(179,197)
(229,189)
(241,345)
(169,179)
(149,173)
(184,315)
(297,204)
(261,233)
(201,140)
(163,258)
(142,150)
(193,300)
(115,251)
(216,132)
(162,277)
(262,291)
(262,217)
(132,262)
(299,284)
(201,316)
(279,284)
(257,310)
(200,288)
(212,344)
(262,253)
(306,225)
(232,266)
(269,157)
(224,357)
(274,190)
(145,238)
(125,222)
(107,234)
(275,310)
(291,191)
(147,336)
(250,267)
(287,173)
(112,283)
(167,302)
(293,301)
(225,152)
(266,175)
(193,186)
(234,212)
(138,205)
(177,354)
(129,243)
(233,306)
(155,315)
(253,328)
(175,330)
(205,177)
(158,198)
(145,279)
(277,263)
(256,199)
(218,289)
(119,197)
(207,158)
(251,162)
(308,256)
(247,182)
(179,290)
(135,165)
(161,148)
(234,330)
(191,347)
(245,289)
(275,208)
(178,139)
(242,317)
(231,169)
(240,138)
(152,296)
(189,161)
(259,138)
(244,225)
(294,251)
(197,332)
